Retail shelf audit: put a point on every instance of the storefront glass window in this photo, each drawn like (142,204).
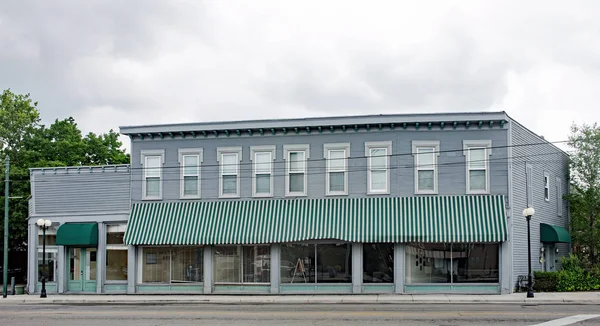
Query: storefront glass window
(242,264)
(155,265)
(297,264)
(378,263)
(51,254)
(323,263)
(334,263)
(452,263)
(187,265)
(172,265)
(476,263)
(428,263)
(116,254)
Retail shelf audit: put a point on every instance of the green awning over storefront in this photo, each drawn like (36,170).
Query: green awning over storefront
(77,234)
(389,219)
(554,234)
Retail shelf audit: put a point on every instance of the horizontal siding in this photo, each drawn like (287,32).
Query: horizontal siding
(452,171)
(542,158)
(83,193)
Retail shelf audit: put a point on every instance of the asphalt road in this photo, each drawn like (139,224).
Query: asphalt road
(291,315)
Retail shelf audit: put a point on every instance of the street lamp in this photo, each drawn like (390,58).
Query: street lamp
(528,213)
(44,224)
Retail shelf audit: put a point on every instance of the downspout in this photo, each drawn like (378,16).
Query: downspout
(510,206)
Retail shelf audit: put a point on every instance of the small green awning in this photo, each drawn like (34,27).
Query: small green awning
(554,233)
(77,234)
(385,220)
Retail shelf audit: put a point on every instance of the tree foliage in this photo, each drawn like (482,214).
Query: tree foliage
(584,196)
(31,144)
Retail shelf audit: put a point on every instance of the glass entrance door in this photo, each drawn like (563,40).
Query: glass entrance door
(82,269)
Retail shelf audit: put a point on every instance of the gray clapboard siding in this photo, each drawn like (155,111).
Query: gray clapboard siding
(543,158)
(451,169)
(80,190)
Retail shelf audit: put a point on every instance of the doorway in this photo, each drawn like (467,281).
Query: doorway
(82,269)
(549,258)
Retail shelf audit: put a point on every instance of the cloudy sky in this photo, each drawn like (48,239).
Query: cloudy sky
(114,63)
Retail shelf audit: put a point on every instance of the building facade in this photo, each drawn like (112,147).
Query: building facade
(424,203)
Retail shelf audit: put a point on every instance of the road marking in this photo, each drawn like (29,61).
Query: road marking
(567,320)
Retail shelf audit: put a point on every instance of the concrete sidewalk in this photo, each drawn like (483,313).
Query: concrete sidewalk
(592,298)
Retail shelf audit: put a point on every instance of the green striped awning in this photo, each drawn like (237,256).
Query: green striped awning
(386,219)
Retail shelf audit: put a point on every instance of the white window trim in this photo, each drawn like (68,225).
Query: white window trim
(368,147)
(529,184)
(336,147)
(416,144)
(287,149)
(184,152)
(144,154)
(262,149)
(468,144)
(559,199)
(229,150)
(546,186)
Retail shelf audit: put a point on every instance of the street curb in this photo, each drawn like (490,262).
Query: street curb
(295,302)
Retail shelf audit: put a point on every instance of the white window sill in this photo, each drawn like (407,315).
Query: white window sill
(262,195)
(189,197)
(374,193)
(337,194)
(229,196)
(296,194)
(152,198)
(426,193)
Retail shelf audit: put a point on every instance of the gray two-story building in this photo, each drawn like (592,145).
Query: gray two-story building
(416,203)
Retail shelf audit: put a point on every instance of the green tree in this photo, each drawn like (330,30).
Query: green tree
(31,145)
(584,196)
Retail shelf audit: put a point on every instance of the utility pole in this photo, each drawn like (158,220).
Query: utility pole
(5,266)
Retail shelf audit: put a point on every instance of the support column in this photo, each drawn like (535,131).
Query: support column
(131,268)
(274,268)
(101,258)
(505,267)
(357,267)
(62,278)
(32,272)
(399,267)
(208,269)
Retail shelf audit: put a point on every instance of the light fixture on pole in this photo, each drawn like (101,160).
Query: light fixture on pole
(528,213)
(44,224)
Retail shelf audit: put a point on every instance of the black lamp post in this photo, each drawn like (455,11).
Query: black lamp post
(44,224)
(528,213)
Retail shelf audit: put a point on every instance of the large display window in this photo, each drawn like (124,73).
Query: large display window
(316,263)
(452,263)
(242,264)
(171,265)
(378,263)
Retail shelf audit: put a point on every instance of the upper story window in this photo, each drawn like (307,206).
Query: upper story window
(546,186)
(296,157)
(229,171)
(477,153)
(529,184)
(426,176)
(559,199)
(152,162)
(190,160)
(336,180)
(262,170)
(378,162)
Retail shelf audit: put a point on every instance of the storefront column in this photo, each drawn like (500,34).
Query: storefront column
(208,269)
(357,267)
(100,257)
(131,268)
(399,268)
(505,267)
(62,277)
(274,268)
(32,258)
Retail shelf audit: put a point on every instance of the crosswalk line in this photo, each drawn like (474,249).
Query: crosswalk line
(567,320)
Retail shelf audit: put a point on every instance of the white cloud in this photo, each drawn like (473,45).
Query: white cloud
(142,62)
